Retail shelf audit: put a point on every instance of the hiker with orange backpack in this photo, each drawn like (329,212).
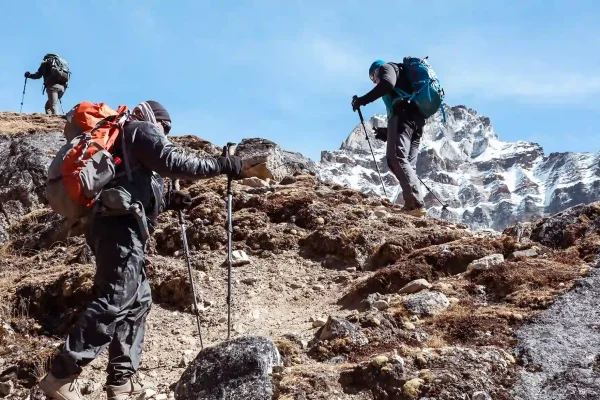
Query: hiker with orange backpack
(117,168)
(411,93)
(55,71)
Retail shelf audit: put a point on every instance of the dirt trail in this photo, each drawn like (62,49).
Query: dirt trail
(266,302)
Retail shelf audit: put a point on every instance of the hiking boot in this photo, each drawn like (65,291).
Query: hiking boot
(132,387)
(417,212)
(60,389)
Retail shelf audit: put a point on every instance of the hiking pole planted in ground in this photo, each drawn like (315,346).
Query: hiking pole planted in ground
(362,121)
(229,150)
(23,98)
(444,206)
(186,252)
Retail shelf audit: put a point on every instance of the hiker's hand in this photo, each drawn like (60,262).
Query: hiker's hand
(231,165)
(179,201)
(27,74)
(357,102)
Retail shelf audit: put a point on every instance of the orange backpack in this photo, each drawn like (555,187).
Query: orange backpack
(85,164)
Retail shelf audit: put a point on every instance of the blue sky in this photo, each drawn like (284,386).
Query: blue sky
(286,70)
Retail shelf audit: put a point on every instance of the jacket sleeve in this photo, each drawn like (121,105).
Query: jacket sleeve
(387,82)
(157,153)
(38,74)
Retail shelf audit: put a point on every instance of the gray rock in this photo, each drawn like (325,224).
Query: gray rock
(415,286)
(559,348)
(340,328)
(239,258)
(24,163)
(264,159)
(381,305)
(481,396)
(485,263)
(237,369)
(426,303)
(6,388)
(523,253)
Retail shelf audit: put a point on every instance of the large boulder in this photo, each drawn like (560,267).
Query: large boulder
(265,159)
(237,369)
(24,161)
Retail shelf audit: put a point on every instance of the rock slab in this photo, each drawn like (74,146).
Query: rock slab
(237,369)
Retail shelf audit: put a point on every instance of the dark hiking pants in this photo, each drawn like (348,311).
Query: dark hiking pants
(116,317)
(403,141)
(54,96)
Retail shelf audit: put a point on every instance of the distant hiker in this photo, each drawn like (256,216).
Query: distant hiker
(407,110)
(116,317)
(56,74)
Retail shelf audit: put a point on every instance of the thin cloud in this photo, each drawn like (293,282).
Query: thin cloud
(485,70)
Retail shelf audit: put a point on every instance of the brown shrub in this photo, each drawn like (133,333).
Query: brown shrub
(465,325)
(530,274)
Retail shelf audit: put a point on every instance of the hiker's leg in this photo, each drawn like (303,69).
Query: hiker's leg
(112,239)
(397,152)
(415,143)
(48,105)
(125,350)
(52,103)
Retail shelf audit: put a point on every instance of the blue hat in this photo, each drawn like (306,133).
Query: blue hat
(375,65)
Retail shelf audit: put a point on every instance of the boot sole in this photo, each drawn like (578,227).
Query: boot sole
(131,395)
(51,394)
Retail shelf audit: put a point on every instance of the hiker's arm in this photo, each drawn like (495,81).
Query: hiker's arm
(387,81)
(38,74)
(158,154)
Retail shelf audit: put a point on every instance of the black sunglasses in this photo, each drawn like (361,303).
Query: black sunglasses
(166,125)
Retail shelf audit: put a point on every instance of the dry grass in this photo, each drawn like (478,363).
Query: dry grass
(15,123)
(466,324)
(532,275)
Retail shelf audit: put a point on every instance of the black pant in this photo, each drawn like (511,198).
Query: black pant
(117,316)
(404,133)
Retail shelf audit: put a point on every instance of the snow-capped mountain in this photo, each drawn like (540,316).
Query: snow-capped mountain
(485,182)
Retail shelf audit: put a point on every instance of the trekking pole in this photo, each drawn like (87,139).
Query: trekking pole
(61,107)
(229,150)
(444,206)
(23,98)
(362,121)
(186,252)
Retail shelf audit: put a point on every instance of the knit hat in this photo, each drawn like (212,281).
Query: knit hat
(160,113)
(376,64)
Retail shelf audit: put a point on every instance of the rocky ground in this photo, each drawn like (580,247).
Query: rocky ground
(362,301)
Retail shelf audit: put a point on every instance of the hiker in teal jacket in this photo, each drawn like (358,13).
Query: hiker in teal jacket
(405,128)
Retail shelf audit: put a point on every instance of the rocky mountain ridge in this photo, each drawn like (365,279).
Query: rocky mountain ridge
(486,182)
(338,294)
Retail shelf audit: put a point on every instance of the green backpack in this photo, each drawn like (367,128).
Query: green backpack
(59,68)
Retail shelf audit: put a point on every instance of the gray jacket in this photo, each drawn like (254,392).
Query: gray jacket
(151,157)
(49,81)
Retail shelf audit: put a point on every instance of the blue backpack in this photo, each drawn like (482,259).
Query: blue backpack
(427,91)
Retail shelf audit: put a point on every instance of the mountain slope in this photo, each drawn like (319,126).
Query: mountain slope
(486,182)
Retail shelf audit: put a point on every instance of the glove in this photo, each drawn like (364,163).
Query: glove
(27,74)
(381,134)
(357,102)
(179,201)
(231,165)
